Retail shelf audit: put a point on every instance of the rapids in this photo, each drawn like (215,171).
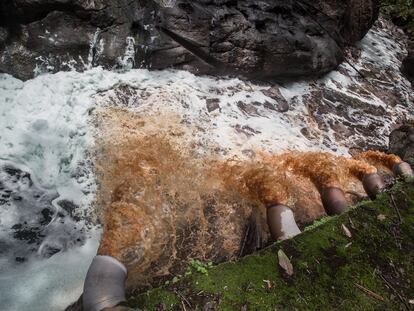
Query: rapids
(146,143)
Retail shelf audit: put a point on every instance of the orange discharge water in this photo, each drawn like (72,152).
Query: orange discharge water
(161,203)
(279,179)
(379,159)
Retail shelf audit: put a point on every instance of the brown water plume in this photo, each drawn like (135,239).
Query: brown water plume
(379,159)
(295,179)
(272,178)
(161,203)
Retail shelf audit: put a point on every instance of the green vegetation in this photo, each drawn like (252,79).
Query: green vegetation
(399,9)
(199,266)
(369,265)
(319,222)
(401,12)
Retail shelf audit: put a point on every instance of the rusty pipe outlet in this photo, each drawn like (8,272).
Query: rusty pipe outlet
(281,221)
(402,169)
(373,185)
(104,284)
(333,200)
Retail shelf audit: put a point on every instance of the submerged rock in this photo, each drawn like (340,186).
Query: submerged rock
(258,39)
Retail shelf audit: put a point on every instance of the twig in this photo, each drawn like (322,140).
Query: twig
(304,300)
(396,209)
(369,292)
(183,305)
(182,298)
(394,290)
(405,193)
(244,241)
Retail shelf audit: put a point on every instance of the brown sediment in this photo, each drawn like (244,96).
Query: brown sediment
(161,203)
(379,159)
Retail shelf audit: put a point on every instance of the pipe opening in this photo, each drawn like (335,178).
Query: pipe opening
(281,221)
(403,170)
(333,200)
(373,185)
(104,284)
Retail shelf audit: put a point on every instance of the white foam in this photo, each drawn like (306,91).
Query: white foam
(50,284)
(44,131)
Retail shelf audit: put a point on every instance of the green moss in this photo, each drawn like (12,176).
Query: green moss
(372,270)
(154,298)
(318,223)
(402,9)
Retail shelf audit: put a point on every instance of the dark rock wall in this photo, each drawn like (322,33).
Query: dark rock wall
(408,63)
(255,38)
(402,143)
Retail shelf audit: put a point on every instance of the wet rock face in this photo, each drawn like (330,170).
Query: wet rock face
(254,38)
(402,143)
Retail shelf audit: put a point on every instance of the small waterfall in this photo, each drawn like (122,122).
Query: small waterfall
(127,61)
(95,49)
(166,3)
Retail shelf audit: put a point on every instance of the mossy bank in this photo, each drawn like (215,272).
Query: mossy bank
(360,260)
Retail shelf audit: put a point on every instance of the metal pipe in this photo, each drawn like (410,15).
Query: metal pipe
(333,200)
(373,185)
(402,169)
(104,284)
(281,221)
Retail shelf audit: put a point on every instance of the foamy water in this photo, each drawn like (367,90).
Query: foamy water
(47,140)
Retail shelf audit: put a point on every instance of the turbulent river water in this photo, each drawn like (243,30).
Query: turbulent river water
(51,128)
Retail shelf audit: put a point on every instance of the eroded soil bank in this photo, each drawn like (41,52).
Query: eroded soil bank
(368,265)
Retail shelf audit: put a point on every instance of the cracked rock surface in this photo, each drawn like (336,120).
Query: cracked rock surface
(258,39)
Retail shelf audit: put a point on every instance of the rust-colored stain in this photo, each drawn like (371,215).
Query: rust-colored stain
(162,203)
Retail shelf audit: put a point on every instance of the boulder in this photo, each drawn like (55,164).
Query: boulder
(258,39)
